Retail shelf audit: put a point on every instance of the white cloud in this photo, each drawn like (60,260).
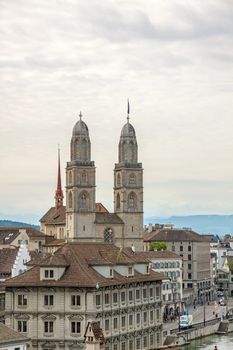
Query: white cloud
(174,61)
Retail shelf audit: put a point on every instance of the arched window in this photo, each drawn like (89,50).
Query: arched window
(108,235)
(83,201)
(132,201)
(83,177)
(118,201)
(70,200)
(118,179)
(132,179)
(131,151)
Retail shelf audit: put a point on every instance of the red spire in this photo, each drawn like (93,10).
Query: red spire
(59,194)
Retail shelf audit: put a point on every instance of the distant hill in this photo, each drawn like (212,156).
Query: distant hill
(216,224)
(17,224)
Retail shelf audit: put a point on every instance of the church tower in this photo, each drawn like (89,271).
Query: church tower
(80,186)
(128,187)
(59,193)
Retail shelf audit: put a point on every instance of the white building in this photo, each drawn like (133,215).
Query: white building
(12,340)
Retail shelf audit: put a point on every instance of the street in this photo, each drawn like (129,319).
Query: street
(198,314)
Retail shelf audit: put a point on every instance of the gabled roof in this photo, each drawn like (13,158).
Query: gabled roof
(9,233)
(54,260)
(96,331)
(173,235)
(8,335)
(55,216)
(148,256)
(80,272)
(7,259)
(108,218)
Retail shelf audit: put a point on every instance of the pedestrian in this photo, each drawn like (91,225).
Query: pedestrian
(215,348)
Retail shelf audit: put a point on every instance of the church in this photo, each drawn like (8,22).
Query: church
(84,220)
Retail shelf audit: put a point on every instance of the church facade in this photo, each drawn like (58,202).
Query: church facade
(82,219)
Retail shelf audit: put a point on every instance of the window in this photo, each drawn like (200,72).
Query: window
(130,320)
(123,346)
(118,201)
(115,346)
(97,300)
(147,269)
(132,179)
(118,179)
(123,297)
(123,322)
(22,326)
(137,294)
(107,299)
(138,317)
(48,327)
(189,276)
(181,248)
(108,235)
(115,323)
(173,248)
(22,300)
(157,292)
(189,248)
(130,270)
(145,341)
(151,293)
(75,300)
(189,266)
(130,296)
(145,316)
(189,257)
(151,316)
(48,273)
(130,344)
(70,200)
(111,272)
(84,178)
(115,298)
(144,291)
(75,327)
(106,325)
(48,300)
(132,201)
(151,339)
(138,343)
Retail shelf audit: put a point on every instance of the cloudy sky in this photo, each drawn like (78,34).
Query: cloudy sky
(172,58)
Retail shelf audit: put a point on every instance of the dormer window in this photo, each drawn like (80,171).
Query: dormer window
(147,269)
(49,274)
(111,272)
(130,270)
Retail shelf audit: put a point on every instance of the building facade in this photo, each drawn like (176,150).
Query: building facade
(53,302)
(80,220)
(194,249)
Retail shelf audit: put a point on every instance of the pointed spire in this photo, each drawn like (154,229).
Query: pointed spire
(128,111)
(59,194)
(80,115)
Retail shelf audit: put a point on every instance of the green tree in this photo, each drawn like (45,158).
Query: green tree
(158,246)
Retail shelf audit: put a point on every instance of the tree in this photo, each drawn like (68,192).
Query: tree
(158,246)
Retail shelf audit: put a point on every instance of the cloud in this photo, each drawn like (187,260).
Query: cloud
(173,59)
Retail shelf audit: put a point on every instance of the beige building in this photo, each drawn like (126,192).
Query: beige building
(194,249)
(80,219)
(14,236)
(53,302)
(12,340)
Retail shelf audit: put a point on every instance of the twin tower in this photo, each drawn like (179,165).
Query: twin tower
(85,219)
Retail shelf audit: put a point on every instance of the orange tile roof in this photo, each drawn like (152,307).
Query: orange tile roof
(80,272)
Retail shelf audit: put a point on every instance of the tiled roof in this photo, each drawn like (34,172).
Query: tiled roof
(107,218)
(8,335)
(98,332)
(165,254)
(55,216)
(9,233)
(54,242)
(100,208)
(36,258)
(80,273)
(173,235)
(7,259)
(54,260)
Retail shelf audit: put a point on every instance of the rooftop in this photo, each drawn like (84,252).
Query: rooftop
(173,235)
(8,335)
(79,259)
